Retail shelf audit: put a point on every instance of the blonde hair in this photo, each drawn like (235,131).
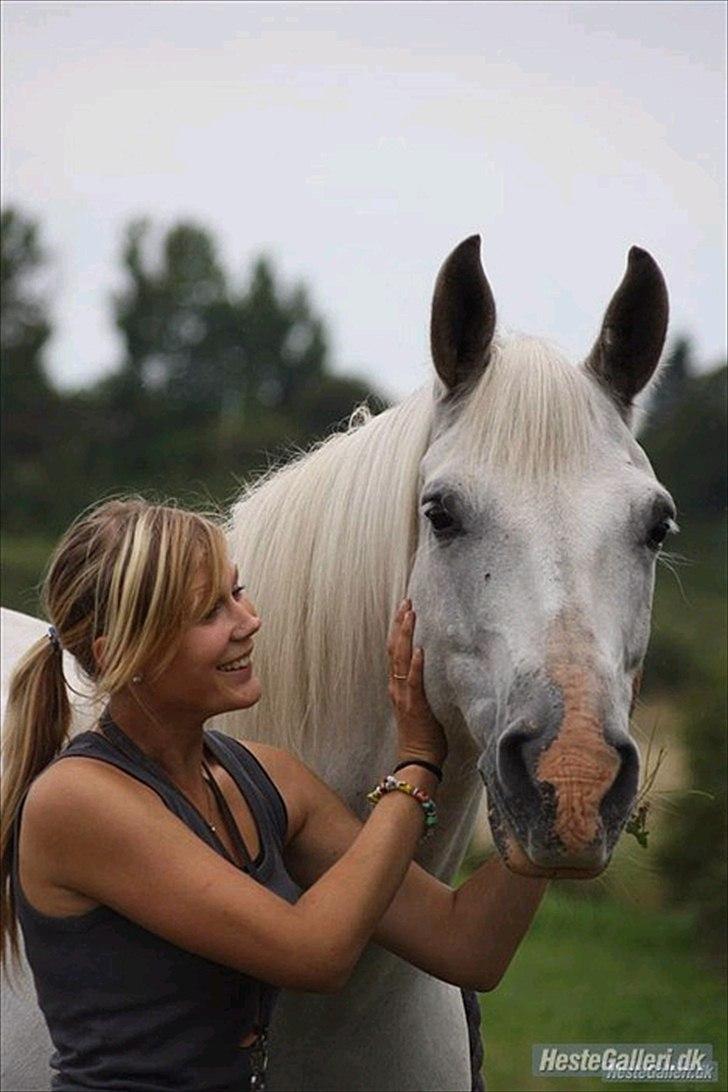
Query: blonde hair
(128,571)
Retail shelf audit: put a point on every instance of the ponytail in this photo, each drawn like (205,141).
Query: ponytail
(37,720)
(126,570)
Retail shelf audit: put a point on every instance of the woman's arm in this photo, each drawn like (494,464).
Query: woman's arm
(466,936)
(91,829)
(472,941)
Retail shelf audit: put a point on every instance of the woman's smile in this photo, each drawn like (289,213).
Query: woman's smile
(238,665)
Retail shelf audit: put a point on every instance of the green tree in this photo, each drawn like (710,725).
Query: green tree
(686,442)
(29,403)
(209,350)
(674,378)
(166,314)
(687,445)
(214,375)
(284,345)
(213,380)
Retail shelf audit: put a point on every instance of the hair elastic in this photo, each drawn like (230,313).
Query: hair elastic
(436,770)
(54,639)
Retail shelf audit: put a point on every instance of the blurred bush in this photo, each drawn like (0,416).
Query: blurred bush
(687,658)
(214,377)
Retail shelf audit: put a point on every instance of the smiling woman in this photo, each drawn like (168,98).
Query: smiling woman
(169,880)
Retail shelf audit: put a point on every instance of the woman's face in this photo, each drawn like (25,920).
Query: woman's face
(212,672)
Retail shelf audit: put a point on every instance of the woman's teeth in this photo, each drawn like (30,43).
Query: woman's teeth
(235,665)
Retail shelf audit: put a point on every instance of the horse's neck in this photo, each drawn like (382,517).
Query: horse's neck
(367,750)
(457,806)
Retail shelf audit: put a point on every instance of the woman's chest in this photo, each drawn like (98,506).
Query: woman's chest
(226,812)
(232,818)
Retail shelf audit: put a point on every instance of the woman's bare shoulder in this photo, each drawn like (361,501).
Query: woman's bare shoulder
(292,777)
(268,755)
(75,769)
(72,802)
(73,786)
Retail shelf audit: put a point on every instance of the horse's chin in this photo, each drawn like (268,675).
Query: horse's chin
(518,861)
(526,867)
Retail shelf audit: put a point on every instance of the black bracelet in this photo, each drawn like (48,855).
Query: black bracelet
(419,762)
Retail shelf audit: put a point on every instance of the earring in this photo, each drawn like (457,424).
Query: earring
(137,679)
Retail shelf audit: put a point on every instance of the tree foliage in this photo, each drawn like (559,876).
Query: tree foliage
(30,416)
(207,347)
(214,378)
(687,442)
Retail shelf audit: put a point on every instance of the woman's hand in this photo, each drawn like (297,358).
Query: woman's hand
(420,735)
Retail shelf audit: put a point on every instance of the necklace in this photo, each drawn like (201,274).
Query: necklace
(119,739)
(206,775)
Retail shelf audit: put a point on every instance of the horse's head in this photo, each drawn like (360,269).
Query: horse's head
(540,522)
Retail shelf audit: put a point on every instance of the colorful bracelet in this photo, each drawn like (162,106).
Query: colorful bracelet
(391,784)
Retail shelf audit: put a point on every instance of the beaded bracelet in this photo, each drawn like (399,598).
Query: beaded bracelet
(391,784)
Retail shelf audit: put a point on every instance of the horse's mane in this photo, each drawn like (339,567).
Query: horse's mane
(532,415)
(325,543)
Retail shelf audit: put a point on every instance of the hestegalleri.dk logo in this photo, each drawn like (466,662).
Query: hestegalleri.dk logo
(615,1062)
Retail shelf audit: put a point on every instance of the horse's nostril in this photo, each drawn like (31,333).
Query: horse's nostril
(619,798)
(511,762)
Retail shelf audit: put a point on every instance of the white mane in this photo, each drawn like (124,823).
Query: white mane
(533,414)
(325,544)
(304,536)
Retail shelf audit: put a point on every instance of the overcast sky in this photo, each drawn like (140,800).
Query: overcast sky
(358,143)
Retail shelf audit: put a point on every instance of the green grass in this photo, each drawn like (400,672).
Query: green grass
(598,971)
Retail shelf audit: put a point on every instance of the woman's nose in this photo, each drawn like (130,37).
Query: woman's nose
(249,623)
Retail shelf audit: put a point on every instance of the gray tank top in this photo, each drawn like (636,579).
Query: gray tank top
(127,1010)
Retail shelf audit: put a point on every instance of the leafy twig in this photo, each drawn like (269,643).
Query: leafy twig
(637,822)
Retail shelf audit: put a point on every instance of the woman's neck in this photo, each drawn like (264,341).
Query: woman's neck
(172,741)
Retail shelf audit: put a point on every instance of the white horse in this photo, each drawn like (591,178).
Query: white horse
(510,499)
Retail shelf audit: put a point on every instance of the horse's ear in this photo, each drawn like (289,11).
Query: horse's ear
(463,317)
(628,348)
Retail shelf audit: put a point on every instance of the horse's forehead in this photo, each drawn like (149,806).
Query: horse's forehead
(614,472)
(514,427)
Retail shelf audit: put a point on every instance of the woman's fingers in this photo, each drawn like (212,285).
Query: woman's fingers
(418,730)
(403,647)
(399,645)
(393,633)
(414,677)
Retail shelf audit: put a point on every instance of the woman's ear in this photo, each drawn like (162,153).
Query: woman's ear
(98,647)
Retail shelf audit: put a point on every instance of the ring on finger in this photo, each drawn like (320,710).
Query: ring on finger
(400,677)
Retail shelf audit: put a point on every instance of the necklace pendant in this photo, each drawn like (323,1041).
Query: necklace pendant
(258,1056)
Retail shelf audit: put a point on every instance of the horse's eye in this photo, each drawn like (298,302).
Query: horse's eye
(443,522)
(659,533)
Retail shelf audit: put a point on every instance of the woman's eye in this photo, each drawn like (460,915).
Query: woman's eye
(236,592)
(659,533)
